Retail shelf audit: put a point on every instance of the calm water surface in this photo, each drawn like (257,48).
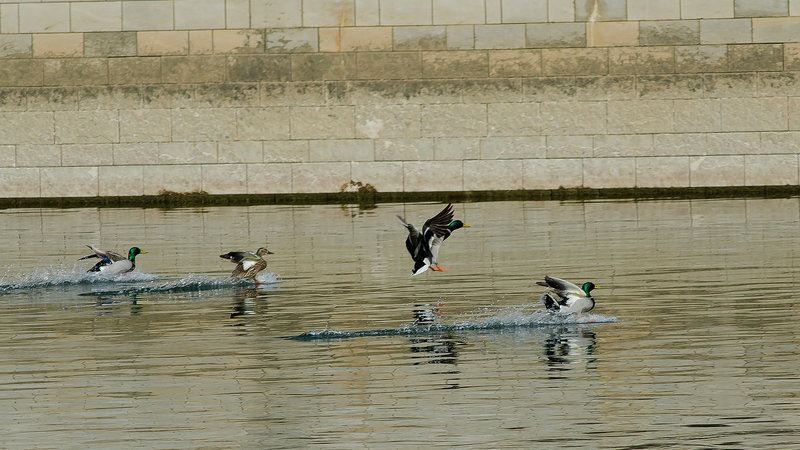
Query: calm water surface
(694,341)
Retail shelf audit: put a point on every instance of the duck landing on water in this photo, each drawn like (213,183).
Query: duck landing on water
(568,298)
(248,264)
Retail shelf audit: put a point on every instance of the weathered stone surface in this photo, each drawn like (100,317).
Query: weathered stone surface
(276,14)
(460,37)
(18,46)
(623,145)
(669,32)
(253,41)
(19,182)
(193,69)
(670,86)
(388,65)
(778,29)
(755,57)
(76,71)
(697,115)
(50,45)
(662,171)
(454,120)
(731,85)
(313,67)
(110,44)
(286,41)
(654,9)
(145,125)
(420,38)
(121,180)
(216,95)
(702,58)
(388,121)
(270,123)
(403,149)
(514,119)
(575,61)
(573,118)
(135,154)
(492,175)
(427,176)
(175,178)
(286,151)
(679,144)
(201,42)
(207,124)
(269,178)
(456,148)
(730,144)
(293,94)
(706,9)
(26,128)
(187,153)
(760,8)
(44,17)
(499,36)
(725,31)
(780,142)
(770,170)
(366,39)
(38,155)
(134,70)
(644,116)
(224,178)
(95,16)
(569,146)
(331,122)
(513,147)
(409,12)
(9,18)
(168,96)
(341,150)
(546,173)
(600,10)
(199,14)
(641,60)
(259,68)
(579,88)
(612,34)
(150,15)
(515,63)
(69,181)
(319,176)
(157,43)
(754,114)
(8,156)
(86,127)
(548,35)
(609,172)
(450,12)
(455,64)
(86,155)
(21,72)
(52,98)
(385,176)
(717,170)
(237,152)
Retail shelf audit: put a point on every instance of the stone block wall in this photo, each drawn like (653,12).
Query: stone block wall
(129,98)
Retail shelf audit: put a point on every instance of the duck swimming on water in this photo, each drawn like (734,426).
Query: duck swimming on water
(248,264)
(569,298)
(112,262)
(424,245)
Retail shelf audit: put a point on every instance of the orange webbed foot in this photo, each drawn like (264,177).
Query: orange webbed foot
(440,269)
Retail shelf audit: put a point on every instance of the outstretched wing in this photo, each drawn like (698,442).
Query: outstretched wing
(562,287)
(413,241)
(248,268)
(439,223)
(237,257)
(102,254)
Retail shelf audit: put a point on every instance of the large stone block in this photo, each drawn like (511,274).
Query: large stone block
(145,125)
(670,86)
(643,116)
(330,122)
(570,147)
(95,16)
(312,67)
(239,152)
(38,155)
(69,181)
(760,8)
(654,9)
(662,172)
(9,18)
(328,13)
(794,113)
(86,155)
(26,127)
(187,153)
(517,147)
(157,43)
(492,175)
(730,144)
(258,124)
(52,99)
(221,95)
(428,176)
(292,40)
(8,156)
(19,182)
(706,9)
(669,32)
(169,96)
(177,178)
(609,172)
(276,14)
(21,72)
(450,12)
(701,58)
(311,93)
(787,142)
(756,57)
(408,12)
(50,45)
(613,145)
(555,35)
(193,69)
(206,124)
(499,36)
(778,29)
(575,61)
(460,37)
(199,14)
(455,64)
(579,88)
(523,11)
(76,71)
(388,121)
(612,34)
(456,148)
(259,68)
(367,12)
(135,154)
(121,180)
(420,38)
(552,173)
(731,85)
(145,70)
(698,115)
(641,60)
(385,176)
(388,65)
(770,170)
(754,114)
(286,151)
(680,144)
(791,56)
(224,178)
(320,176)
(514,119)
(151,15)
(20,46)
(725,31)
(717,170)
(237,14)
(253,41)
(13,99)
(86,127)
(109,44)
(269,178)
(573,118)
(600,10)
(515,63)
(454,120)
(341,150)
(44,17)
(404,149)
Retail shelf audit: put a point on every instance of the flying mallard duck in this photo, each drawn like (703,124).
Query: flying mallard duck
(112,262)
(571,298)
(248,264)
(424,245)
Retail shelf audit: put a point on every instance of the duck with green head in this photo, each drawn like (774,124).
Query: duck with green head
(424,245)
(571,298)
(112,262)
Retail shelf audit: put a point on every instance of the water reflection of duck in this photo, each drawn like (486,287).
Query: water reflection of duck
(565,344)
(112,262)
(248,264)
(571,298)
(424,245)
